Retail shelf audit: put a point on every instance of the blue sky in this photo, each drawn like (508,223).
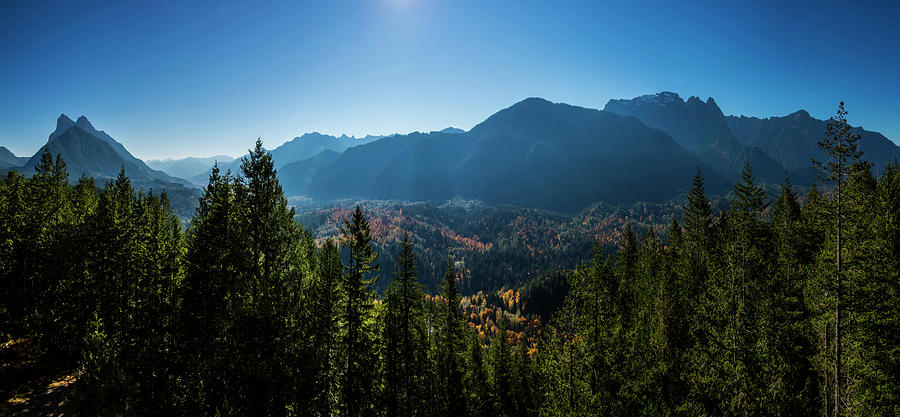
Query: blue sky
(170,79)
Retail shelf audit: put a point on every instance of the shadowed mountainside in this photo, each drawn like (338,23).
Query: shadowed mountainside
(534,153)
(794,138)
(701,128)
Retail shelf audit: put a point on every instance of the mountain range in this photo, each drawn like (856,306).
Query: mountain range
(533,154)
(700,128)
(296,149)
(187,167)
(793,139)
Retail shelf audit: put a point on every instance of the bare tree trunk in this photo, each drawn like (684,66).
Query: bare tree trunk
(828,409)
(837,309)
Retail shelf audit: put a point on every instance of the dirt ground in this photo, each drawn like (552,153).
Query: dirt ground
(28,388)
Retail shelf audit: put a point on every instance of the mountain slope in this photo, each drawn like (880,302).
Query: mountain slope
(294,150)
(100,157)
(187,167)
(535,153)
(63,123)
(10,160)
(85,153)
(311,144)
(793,139)
(452,130)
(296,176)
(701,128)
(541,154)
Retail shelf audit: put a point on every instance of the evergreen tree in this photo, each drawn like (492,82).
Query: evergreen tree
(875,366)
(278,264)
(501,364)
(319,374)
(697,216)
(839,145)
(452,349)
(788,371)
(49,224)
(13,253)
(215,264)
(649,357)
(359,356)
(688,329)
(730,323)
(404,329)
(478,392)
(740,314)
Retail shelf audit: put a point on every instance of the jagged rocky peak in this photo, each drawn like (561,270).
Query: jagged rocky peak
(662,98)
(84,123)
(694,100)
(64,122)
(713,107)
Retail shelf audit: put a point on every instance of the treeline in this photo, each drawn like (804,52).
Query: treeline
(737,314)
(242,314)
(788,311)
(790,314)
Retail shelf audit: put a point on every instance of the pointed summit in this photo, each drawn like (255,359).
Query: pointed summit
(85,124)
(87,150)
(63,123)
(713,107)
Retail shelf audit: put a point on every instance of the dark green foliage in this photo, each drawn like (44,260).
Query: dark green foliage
(735,316)
(838,167)
(359,355)
(247,260)
(319,375)
(403,338)
(545,294)
(452,348)
(242,314)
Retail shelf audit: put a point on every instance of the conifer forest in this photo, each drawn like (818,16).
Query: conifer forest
(783,306)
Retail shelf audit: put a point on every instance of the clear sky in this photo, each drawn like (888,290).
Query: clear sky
(173,79)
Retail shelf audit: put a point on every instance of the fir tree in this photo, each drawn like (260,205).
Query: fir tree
(404,329)
(839,146)
(359,379)
(453,328)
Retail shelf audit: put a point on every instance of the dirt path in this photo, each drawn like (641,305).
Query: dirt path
(28,388)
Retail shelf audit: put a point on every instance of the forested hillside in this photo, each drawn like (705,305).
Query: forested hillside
(771,308)
(494,246)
